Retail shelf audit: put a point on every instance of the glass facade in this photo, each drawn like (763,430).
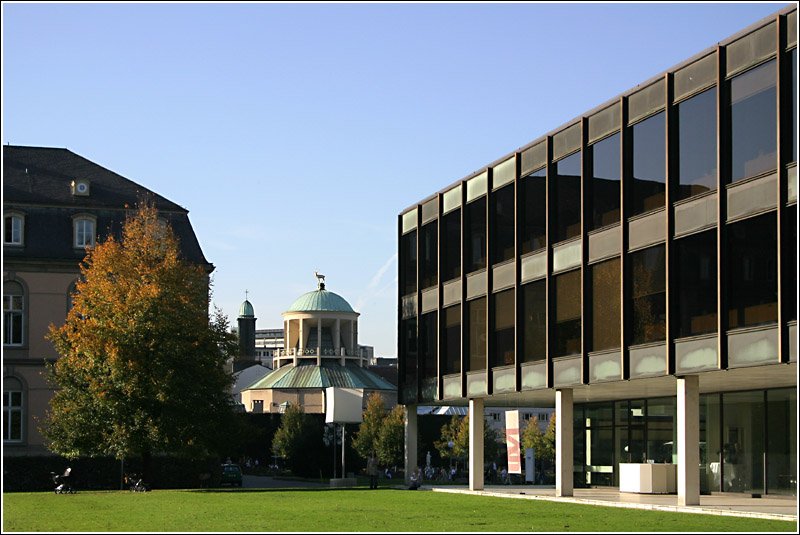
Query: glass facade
(566,204)
(753,122)
(697,144)
(697,284)
(605,305)
(530,314)
(605,182)
(429,255)
(503,330)
(476,334)
(451,245)
(475,236)
(534,321)
(567,329)
(503,236)
(452,340)
(752,270)
(649,295)
(408,263)
(533,208)
(649,165)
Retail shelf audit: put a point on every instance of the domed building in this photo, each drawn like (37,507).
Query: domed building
(321,350)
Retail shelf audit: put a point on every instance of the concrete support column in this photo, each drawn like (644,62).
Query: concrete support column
(411,440)
(564,442)
(688,423)
(476,423)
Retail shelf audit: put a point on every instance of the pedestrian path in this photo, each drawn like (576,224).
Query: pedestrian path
(726,504)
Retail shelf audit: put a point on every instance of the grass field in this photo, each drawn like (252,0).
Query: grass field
(383,510)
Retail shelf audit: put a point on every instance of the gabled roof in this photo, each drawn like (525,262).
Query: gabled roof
(327,375)
(41,175)
(36,181)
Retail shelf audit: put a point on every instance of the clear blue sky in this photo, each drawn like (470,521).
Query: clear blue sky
(296,133)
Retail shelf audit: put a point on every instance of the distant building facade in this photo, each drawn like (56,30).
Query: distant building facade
(56,204)
(320,350)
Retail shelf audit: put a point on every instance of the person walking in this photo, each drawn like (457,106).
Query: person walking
(372,471)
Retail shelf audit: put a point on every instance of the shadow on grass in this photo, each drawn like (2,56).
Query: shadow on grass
(289,489)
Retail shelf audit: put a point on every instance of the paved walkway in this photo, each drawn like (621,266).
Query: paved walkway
(728,504)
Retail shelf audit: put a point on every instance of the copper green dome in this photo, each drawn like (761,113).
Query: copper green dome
(246,310)
(320,300)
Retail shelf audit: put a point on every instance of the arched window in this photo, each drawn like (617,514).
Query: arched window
(13,409)
(13,313)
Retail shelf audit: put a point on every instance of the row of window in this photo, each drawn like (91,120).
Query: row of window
(751,147)
(751,300)
(83,230)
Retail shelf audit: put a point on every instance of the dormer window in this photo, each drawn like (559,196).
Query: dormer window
(84,231)
(80,187)
(13,229)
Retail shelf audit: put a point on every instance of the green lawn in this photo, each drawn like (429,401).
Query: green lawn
(385,510)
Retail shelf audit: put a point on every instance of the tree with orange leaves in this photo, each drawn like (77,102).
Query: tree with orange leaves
(141,367)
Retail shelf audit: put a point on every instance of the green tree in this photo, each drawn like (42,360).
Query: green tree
(454,441)
(296,436)
(544,444)
(390,445)
(140,360)
(365,441)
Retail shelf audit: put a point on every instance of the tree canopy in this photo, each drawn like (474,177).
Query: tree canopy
(381,433)
(141,367)
(295,438)
(544,444)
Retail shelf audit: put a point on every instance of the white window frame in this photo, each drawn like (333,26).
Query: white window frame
(10,409)
(13,314)
(17,229)
(82,236)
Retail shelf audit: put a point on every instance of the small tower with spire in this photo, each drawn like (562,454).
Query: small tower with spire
(247,336)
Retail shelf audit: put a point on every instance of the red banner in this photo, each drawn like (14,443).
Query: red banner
(512,442)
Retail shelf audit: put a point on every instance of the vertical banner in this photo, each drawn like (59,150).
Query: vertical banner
(512,442)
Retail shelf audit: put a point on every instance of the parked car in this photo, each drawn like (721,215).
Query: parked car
(231,475)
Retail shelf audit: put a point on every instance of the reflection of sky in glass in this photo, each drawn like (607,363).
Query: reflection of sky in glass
(753,122)
(697,135)
(606,158)
(648,149)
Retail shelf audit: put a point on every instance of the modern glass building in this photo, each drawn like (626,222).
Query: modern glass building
(636,268)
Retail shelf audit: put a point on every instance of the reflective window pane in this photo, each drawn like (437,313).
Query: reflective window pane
(503,227)
(697,144)
(782,443)
(427,345)
(503,328)
(428,252)
(408,360)
(648,310)
(649,165)
(752,272)
(534,190)
(696,284)
(451,245)
(567,332)
(743,441)
(753,122)
(567,197)
(452,339)
(605,305)
(408,263)
(475,239)
(605,182)
(476,336)
(534,321)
